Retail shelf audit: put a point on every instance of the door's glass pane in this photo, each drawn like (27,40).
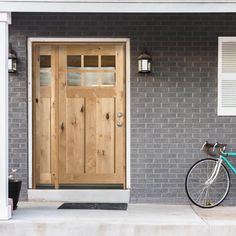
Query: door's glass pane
(91,78)
(90,61)
(108,78)
(74,62)
(108,61)
(45,70)
(74,78)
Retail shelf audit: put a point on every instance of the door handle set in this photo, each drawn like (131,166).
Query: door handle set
(119,119)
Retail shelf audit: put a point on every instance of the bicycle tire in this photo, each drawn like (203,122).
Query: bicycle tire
(227,187)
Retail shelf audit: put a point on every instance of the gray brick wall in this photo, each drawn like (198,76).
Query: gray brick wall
(173,110)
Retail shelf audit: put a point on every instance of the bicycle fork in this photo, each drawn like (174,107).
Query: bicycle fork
(214,173)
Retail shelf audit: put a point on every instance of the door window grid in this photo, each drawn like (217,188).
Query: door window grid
(91,75)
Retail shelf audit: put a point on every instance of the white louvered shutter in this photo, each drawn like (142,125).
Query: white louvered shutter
(227,76)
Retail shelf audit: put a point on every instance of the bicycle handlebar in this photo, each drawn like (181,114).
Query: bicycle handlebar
(213,149)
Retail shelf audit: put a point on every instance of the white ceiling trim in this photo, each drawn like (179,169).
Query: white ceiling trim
(118,6)
(127,1)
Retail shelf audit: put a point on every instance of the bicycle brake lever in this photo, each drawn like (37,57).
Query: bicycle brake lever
(203,146)
(215,146)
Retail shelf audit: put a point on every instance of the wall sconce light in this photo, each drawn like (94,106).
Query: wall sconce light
(144,63)
(12,60)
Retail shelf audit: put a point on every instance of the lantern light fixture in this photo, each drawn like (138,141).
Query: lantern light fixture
(144,63)
(12,60)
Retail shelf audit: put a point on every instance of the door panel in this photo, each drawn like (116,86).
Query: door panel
(79,114)
(45,147)
(44,110)
(100,156)
(105,135)
(90,157)
(99,82)
(75,136)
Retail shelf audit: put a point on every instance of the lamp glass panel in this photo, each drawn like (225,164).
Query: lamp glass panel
(10,66)
(140,65)
(149,66)
(14,65)
(144,64)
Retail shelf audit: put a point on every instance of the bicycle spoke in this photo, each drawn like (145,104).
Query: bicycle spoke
(196,192)
(200,195)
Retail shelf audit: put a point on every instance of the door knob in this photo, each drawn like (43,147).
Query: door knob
(119,123)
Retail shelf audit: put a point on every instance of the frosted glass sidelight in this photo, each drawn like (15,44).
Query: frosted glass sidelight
(45,70)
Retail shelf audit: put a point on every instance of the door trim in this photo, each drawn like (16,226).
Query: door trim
(30,74)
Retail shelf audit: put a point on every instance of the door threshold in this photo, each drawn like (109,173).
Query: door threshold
(80,195)
(81,186)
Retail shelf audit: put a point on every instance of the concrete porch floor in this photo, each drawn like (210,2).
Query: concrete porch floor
(43,218)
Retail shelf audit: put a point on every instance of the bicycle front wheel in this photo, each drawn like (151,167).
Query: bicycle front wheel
(199,191)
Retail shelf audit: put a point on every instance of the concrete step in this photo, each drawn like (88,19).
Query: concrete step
(43,218)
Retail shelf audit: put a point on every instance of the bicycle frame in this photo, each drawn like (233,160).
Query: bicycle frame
(229,154)
(217,166)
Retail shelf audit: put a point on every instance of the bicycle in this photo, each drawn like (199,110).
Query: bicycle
(207,182)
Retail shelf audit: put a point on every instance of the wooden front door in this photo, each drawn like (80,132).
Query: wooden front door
(79,114)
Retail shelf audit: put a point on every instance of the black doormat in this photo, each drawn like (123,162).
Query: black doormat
(95,206)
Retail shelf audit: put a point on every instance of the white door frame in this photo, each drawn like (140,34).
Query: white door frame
(78,40)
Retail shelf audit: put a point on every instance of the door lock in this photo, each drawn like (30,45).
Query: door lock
(119,114)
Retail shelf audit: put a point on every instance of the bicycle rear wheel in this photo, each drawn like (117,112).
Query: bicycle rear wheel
(199,192)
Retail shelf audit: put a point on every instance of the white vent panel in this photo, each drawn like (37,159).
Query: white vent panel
(227,76)
(228,93)
(229,57)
